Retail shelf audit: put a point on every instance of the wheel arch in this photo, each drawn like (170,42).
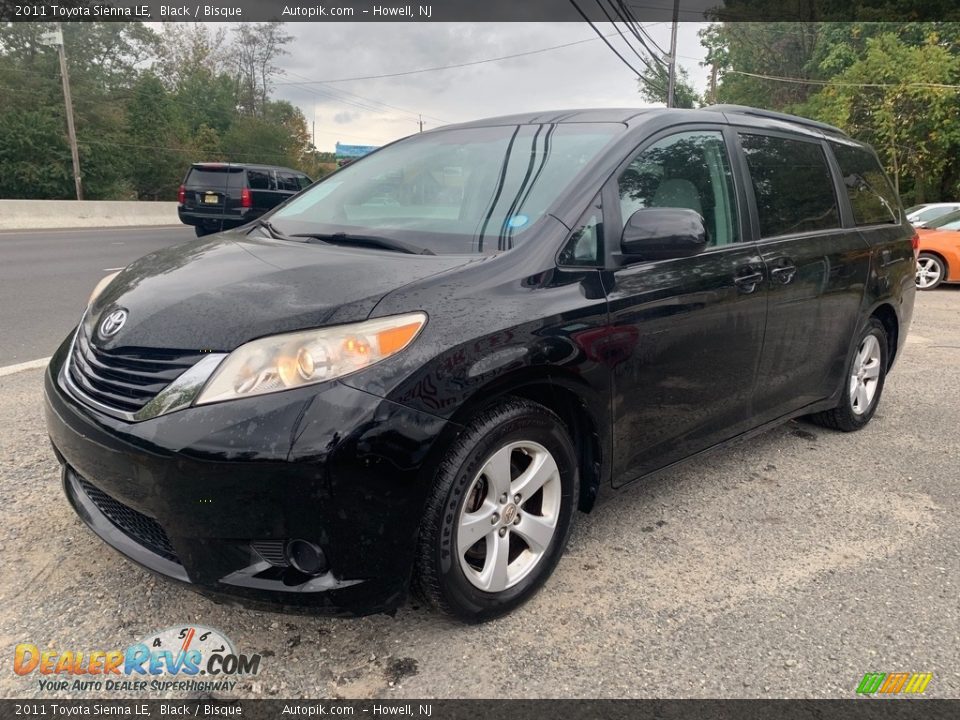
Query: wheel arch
(885,313)
(568,397)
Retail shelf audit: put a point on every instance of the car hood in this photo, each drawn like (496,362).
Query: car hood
(216,293)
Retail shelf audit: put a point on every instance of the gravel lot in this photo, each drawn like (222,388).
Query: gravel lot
(786,566)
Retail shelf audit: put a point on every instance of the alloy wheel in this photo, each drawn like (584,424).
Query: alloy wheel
(865,375)
(509,516)
(929,272)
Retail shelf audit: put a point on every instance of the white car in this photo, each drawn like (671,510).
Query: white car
(920,215)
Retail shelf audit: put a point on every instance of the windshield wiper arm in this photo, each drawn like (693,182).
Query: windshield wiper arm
(376,241)
(271,229)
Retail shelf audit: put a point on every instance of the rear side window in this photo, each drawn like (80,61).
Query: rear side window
(304,181)
(215,178)
(871,196)
(792,185)
(259,180)
(287,181)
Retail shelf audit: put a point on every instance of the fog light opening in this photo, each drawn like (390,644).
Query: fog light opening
(306,557)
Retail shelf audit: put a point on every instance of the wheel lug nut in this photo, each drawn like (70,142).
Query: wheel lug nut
(516,520)
(495,519)
(516,498)
(503,531)
(503,499)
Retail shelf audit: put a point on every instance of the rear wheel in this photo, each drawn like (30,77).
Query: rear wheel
(202,230)
(865,377)
(931,271)
(499,514)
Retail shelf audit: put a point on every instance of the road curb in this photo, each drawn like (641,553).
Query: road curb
(20,367)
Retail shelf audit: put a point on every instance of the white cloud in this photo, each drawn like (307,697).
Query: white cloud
(584,75)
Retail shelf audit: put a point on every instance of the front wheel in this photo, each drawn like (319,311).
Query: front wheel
(931,271)
(865,377)
(499,514)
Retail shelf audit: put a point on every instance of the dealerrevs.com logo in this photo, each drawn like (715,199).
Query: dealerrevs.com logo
(197,658)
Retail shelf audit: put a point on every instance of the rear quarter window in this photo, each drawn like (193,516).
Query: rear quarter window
(871,196)
(792,184)
(259,180)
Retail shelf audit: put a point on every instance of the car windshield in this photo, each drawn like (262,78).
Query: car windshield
(462,190)
(943,221)
(933,213)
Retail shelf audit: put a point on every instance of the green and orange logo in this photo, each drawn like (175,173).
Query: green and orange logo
(894,683)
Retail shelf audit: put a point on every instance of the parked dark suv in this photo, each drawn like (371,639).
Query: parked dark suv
(421,367)
(220,196)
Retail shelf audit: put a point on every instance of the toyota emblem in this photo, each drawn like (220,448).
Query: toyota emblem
(111,324)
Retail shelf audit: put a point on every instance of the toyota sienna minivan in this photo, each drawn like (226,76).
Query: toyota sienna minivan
(412,375)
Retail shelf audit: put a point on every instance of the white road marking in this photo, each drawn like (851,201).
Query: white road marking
(112,228)
(20,367)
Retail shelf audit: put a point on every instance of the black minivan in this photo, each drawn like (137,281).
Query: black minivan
(221,196)
(412,375)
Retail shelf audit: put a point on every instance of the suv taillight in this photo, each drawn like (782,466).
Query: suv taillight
(245,200)
(182,195)
(915,241)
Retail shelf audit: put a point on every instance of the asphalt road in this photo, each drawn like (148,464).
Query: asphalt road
(787,566)
(46,277)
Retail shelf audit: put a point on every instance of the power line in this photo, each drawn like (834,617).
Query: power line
(604,38)
(622,37)
(803,81)
(368,104)
(451,67)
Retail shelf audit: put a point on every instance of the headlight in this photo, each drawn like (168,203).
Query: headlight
(101,286)
(283,362)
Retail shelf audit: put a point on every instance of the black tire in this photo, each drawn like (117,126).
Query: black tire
(439,577)
(845,416)
(201,231)
(940,265)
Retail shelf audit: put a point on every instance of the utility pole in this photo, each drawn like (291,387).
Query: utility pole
(713,84)
(672,67)
(56,38)
(421,123)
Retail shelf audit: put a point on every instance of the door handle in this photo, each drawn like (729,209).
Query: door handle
(783,274)
(748,282)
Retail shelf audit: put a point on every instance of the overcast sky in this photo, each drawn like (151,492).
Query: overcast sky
(584,75)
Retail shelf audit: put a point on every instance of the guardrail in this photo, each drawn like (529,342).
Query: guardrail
(51,214)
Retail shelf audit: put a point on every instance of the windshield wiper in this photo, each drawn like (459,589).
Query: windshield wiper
(376,241)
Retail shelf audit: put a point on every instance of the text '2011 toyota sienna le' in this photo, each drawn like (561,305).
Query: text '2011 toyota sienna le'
(412,374)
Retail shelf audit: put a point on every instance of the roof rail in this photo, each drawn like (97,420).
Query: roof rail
(756,112)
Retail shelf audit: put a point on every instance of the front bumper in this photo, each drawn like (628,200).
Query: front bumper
(333,465)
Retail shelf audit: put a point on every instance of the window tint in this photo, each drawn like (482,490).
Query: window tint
(287,181)
(792,185)
(304,181)
(585,245)
(259,180)
(871,196)
(215,178)
(688,170)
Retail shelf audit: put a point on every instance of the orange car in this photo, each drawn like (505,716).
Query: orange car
(939,258)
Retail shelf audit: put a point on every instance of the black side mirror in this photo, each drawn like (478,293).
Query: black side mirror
(662,234)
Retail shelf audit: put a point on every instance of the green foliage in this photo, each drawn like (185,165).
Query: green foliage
(653,87)
(893,85)
(146,105)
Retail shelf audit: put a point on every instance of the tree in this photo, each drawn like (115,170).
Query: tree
(255,51)
(653,87)
(890,98)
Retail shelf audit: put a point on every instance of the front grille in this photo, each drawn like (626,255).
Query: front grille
(143,529)
(128,378)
